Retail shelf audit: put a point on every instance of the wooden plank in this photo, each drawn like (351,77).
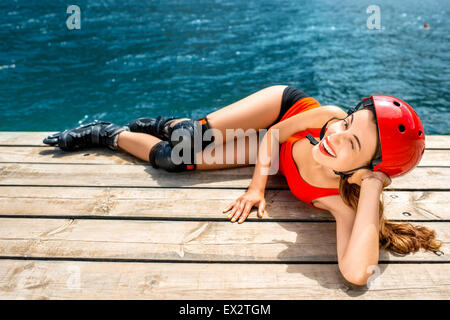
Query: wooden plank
(436,158)
(421,205)
(31,138)
(185,240)
(34,138)
(119,175)
(146,203)
(179,281)
(132,176)
(437,142)
(58,156)
(191,204)
(145,176)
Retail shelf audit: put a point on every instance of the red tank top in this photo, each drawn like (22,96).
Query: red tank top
(299,187)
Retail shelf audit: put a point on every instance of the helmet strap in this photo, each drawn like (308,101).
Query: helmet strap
(312,140)
(344,174)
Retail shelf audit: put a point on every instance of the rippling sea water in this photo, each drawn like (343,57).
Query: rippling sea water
(188,58)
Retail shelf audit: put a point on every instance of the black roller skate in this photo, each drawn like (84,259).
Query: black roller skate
(97,133)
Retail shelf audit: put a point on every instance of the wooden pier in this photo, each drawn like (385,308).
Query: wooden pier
(97,224)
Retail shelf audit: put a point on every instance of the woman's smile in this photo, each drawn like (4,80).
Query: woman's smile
(326,149)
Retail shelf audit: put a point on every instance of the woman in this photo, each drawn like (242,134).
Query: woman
(345,173)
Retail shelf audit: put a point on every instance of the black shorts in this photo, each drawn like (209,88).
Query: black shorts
(290,96)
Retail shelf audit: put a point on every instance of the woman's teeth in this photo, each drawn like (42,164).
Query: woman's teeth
(325,145)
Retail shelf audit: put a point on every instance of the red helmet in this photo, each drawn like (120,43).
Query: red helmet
(400,131)
(402,139)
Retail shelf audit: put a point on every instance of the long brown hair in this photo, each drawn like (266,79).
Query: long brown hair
(400,238)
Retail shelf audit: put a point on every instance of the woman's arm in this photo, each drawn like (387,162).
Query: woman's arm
(264,160)
(241,207)
(362,249)
(313,118)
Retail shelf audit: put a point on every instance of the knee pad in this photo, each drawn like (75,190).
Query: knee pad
(189,129)
(161,157)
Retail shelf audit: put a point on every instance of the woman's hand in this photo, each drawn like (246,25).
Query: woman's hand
(241,206)
(361,174)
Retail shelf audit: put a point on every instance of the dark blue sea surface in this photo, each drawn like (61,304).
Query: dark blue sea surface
(188,58)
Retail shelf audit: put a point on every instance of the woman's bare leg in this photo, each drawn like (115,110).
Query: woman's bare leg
(136,143)
(256,111)
(240,153)
(140,144)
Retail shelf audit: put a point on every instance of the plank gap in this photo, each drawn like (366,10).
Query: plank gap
(181,219)
(108,260)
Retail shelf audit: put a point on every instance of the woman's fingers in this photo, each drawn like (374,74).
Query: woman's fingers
(389,181)
(238,211)
(247,209)
(241,207)
(233,211)
(261,208)
(229,206)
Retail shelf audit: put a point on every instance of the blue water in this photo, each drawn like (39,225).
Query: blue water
(188,58)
